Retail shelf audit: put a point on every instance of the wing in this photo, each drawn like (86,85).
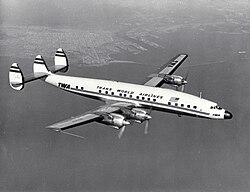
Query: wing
(169,68)
(88,117)
(75,121)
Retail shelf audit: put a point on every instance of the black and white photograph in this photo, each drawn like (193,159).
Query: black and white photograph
(124,96)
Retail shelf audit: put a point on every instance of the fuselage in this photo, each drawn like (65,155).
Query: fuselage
(160,99)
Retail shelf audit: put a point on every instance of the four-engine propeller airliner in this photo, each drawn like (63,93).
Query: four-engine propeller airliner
(124,102)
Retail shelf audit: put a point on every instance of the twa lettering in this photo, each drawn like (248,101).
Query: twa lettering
(64,85)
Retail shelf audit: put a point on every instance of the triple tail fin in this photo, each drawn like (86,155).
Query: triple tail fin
(40,70)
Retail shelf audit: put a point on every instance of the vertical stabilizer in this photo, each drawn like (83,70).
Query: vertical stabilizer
(39,66)
(61,61)
(16,78)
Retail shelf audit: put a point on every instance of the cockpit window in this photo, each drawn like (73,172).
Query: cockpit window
(216,107)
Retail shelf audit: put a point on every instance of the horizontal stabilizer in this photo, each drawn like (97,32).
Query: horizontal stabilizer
(61,62)
(16,78)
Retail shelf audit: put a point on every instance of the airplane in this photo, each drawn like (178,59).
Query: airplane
(123,102)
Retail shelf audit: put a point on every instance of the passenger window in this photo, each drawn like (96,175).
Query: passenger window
(143,98)
(176,104)
(125,95)
(148,99)
(81,88)
(76,87)
(169,103)
(182,105)
(100,91)
(137,97)
(112,93)
(195,107)
(188,106)
(130,96)
(120,94)
(154,100)
(106,92)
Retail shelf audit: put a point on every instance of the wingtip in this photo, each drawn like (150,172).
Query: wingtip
(53,128)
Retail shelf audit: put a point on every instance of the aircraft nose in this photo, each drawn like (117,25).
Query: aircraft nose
(228,115)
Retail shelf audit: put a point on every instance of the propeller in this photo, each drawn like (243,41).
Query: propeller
(122,129)
(147,122)
(184,82)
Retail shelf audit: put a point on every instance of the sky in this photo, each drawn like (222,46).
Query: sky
(178,154)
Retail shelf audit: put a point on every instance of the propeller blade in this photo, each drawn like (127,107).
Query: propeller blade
(146,127)
(182,88)
(184,82)
(121,131)
(186,76)
(150,110)
(147,121)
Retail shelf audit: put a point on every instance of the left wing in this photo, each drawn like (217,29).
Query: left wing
(75,121)
(91,116)
(157,79)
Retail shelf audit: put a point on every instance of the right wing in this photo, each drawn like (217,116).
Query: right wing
(157,79)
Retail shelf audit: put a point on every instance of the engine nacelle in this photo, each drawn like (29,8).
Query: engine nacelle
(178,81)
(115,120)
(136,114)
(175,80)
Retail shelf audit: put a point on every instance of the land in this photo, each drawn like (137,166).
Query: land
(136,34)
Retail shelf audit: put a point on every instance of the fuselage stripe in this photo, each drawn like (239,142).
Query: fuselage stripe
(15,71)
(60,55)
(39,62)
